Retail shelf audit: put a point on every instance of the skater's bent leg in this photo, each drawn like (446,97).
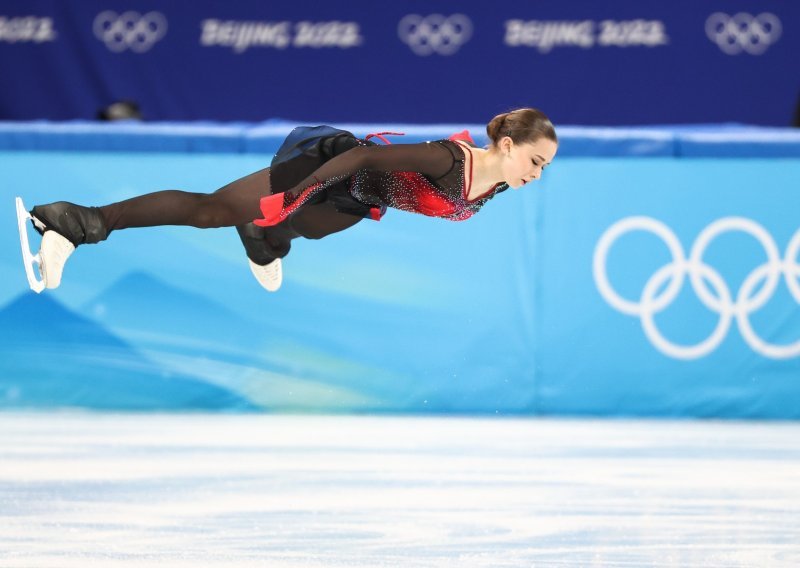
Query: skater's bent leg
(235,204)
(321,220)
(265,244)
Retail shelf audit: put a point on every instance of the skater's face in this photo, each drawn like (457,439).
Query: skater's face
(523,163)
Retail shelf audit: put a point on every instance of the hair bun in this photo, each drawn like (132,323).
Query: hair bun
(522,125)
(495,125)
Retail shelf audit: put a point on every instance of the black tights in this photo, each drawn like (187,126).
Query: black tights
(234,205)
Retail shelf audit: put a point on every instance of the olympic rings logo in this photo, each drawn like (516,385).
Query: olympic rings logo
(743,32)
(130,30)
(435,33)
(721,301)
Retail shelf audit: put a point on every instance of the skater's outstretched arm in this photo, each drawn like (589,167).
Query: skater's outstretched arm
(426,158)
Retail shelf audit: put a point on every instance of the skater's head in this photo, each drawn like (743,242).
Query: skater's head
(526,140)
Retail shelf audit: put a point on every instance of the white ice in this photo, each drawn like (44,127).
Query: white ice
(110,490)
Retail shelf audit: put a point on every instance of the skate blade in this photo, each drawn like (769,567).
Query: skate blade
(30,259)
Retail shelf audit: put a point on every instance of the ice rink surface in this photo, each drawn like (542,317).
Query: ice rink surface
(194,490)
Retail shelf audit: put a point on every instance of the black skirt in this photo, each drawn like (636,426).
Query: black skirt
(305,149)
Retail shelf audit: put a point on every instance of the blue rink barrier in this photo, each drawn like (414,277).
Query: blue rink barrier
(651,272)
(83,136)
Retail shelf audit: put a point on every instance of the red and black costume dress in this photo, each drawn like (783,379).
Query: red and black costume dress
(322,180)
(360,177)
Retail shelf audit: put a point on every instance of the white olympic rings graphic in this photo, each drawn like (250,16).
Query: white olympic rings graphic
(722,303)
(130,30)
(743,32)
(435,33)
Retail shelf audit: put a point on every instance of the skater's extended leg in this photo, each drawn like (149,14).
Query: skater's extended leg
(66,225)
(235,204)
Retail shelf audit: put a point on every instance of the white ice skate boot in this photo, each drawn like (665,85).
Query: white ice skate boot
(53,254)
(269,275)
(63,227)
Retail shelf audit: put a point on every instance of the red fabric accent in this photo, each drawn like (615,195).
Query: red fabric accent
(375,213)
(380,135)
(424,199)
(432,203)
(276,210)
(271,207)
(463,135)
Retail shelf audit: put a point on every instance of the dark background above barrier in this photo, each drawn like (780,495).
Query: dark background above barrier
(621,63)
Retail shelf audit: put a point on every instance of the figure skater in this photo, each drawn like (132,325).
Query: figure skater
(321,181)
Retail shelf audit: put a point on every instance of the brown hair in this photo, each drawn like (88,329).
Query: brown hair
(522,125)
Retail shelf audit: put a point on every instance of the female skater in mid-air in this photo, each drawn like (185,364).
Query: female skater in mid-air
(321,181)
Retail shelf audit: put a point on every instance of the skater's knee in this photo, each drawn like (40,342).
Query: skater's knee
(322,220)
(210,213)
(315,235)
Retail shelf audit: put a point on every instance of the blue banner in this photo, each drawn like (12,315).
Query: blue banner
(619,63)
